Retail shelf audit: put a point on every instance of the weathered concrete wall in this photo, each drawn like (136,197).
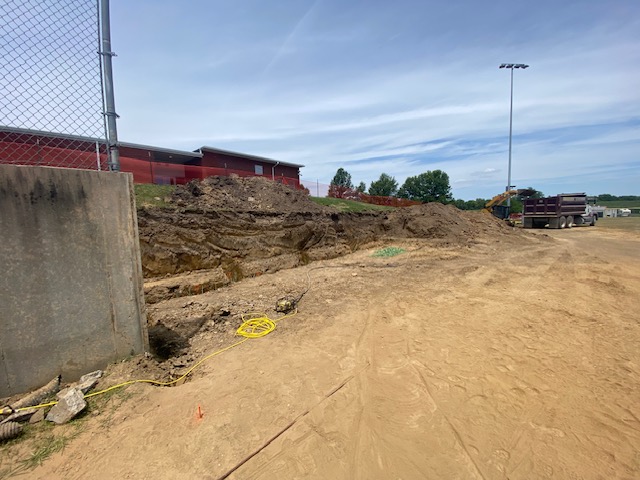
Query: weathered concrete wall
(71,294)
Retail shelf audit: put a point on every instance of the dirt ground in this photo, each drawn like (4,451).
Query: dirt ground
(482,351)
(509,357)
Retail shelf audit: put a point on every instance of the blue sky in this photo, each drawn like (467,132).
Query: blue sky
(397,87)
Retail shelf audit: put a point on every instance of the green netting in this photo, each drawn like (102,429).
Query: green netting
(389,252)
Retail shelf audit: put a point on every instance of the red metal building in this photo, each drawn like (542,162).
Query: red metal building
(149,164)
(246,165)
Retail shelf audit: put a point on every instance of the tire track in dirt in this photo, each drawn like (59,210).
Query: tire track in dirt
(483,364)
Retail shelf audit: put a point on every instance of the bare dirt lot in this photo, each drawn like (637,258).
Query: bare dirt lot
(502,355)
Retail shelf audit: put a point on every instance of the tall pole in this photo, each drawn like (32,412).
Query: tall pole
(110,104)
(510,135)
(511,66)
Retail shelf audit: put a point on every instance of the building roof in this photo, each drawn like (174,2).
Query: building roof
(167,151)
(245,155)
(93,140)
(42,133)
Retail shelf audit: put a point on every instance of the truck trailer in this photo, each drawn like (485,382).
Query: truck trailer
(562,211)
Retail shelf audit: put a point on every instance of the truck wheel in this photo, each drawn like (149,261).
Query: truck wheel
(562,222)
(570,221)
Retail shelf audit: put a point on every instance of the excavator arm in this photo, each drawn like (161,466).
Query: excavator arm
(500,198)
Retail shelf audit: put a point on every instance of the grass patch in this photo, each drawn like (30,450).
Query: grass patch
(348,205)
(47,446)
(40,441)
(630,224)
(43,441)
(621,204)
(389,252)
(152,195)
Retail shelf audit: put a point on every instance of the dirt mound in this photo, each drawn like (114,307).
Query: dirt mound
(444,222)
(224,229)
(243,194)
(203,249)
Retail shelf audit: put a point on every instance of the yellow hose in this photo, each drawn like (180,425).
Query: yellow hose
(254,325)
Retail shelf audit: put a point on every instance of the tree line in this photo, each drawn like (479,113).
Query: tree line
(430,186)
(433,186)
(606,197)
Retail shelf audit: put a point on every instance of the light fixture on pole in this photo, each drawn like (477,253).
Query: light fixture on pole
(511,66)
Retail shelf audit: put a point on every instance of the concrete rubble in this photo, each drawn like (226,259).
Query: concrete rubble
(86,383)
(69,405)
(37,417)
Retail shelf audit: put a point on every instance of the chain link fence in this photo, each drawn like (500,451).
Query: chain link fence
(51,94)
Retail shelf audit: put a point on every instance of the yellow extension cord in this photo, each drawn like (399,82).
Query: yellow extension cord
(256,326)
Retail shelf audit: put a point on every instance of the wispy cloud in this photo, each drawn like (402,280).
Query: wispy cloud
(289,43)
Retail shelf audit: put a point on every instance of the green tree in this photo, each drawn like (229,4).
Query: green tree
(341,184)
(478,203)
(516,205)
(606,197)
(362,187)
(342,178)
(535,194)
(385,186)
(430,186)
(460,204)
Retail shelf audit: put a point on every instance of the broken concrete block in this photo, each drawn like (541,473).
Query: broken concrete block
(89,376)
(67,407)
(63,392)
(87,384)
(37,417)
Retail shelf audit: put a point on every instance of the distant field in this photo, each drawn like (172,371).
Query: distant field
(631,224)
(348,205)
(621,204)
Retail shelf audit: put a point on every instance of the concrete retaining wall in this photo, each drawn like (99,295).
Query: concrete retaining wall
(71,294)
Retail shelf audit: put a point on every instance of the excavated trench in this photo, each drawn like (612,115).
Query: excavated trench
(222,230)
(193,250)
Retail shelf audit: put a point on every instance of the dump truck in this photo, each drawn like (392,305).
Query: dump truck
(562,211)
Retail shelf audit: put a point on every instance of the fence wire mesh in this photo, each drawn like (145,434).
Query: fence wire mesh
(51,101)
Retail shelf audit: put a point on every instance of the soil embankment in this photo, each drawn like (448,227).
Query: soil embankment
(227,229)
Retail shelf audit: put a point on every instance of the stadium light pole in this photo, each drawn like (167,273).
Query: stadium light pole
(511,66)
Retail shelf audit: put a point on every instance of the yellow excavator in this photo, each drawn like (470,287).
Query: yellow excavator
(495,207)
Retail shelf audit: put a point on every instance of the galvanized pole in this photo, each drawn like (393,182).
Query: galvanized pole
(510,134)
(110,110)
(511,66)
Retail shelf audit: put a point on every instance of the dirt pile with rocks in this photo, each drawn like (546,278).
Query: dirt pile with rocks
(243,194)
(222,230)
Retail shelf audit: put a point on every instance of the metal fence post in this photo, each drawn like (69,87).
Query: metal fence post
(110,104)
